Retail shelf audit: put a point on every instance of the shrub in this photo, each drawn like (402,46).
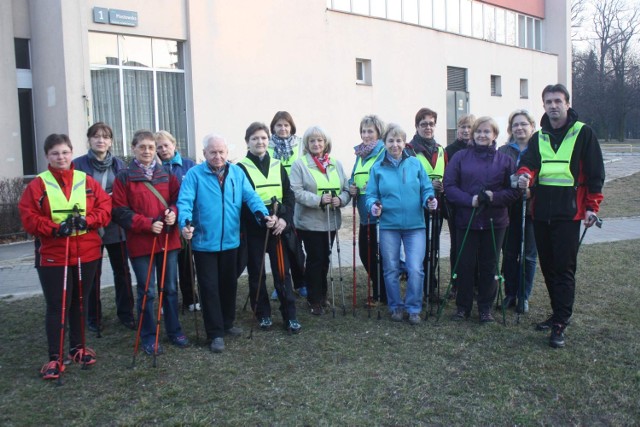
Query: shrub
(10,191)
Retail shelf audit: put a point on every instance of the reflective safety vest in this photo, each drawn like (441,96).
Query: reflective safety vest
(266,186)
(436,172)
(287,163)
(555,167)
(60,207)
(325,183)
(361,172)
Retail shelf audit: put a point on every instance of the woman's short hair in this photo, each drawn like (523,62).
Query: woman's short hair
(525,113)
(253,128)
(316,131)
(56,139)
(97,127)
(141,135)
(425,112)
(283,115)
(466,120)
(486,119)
(166,135)
(373,120)
(394,130)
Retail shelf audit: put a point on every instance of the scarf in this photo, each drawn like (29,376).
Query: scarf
(424,146)
(363,150)
(394,162)
(100,165)
(175,160)
(219,173)
(283,147)
(148,170)
(322,162)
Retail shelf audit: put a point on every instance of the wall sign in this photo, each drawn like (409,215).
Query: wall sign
(103,15)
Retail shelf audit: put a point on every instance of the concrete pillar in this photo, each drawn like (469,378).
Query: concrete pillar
(558,37)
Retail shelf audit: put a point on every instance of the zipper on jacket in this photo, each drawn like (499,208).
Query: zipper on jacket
(222,233)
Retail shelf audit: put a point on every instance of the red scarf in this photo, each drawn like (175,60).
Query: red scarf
(322,162)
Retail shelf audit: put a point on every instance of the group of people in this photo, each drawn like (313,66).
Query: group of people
(288,192)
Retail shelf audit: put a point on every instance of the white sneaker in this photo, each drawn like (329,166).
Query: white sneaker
(194,307)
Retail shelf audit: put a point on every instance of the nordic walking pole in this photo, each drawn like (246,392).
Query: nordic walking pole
(64,311)
(161,292)
(436,253)
(355,202)
(428,272)
(83,342)
(260,273)
(335,221)
(454,274)
(523,264)
(144,300)
(497,276)
(127,270)
(98,306)
(369,264)
(193,283)
(333,294)
(378,256)
(598,224)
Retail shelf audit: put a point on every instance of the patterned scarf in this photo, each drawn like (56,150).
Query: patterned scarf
(148,170)
(219,173)
(322,162)
(100,165)
(283,147)
(363,150)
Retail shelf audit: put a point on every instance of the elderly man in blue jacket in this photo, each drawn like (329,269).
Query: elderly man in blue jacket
(210,201)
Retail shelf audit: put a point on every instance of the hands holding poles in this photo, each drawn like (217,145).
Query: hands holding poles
(169,220)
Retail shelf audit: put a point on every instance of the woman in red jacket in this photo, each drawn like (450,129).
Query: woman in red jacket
(144,204)
(63,208)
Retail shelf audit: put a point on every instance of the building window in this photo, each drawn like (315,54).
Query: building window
(496,85)
(363,71)
(138,83)
(524,88)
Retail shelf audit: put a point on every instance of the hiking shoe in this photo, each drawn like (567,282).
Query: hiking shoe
(150,348)
(265,323)
(459,315)
(414,318)
(217,345)
(233,331)
(396,315)
(486,317)
(194,307)
(274,295)
(508,302)
(86,356)
(302,291)
(51,370)
(316,309)
(179,341)
(556,339)
(293,326)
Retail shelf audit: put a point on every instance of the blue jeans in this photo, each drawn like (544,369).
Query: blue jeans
(169,299)
(415,244)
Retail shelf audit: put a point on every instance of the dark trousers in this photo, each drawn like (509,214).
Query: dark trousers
(218,282)
(296,256)
(453,237)
(119,260)
(316,244)
(511,263)
(367,248)
(184,278)
(478,251)
(433,221)
(557,243)
(51,280)
(282,284)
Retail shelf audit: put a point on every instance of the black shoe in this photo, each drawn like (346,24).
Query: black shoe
(556,339)
(129,324)
(486,317)
(92,326)
(459,315)
(547,324)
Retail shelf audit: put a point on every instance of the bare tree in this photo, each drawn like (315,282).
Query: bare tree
(577,16)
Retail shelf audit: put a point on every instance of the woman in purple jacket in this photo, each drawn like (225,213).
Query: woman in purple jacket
(477,183)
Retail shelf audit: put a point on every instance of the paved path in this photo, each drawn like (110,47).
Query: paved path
(18,277)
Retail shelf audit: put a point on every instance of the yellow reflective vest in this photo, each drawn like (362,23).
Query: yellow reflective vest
(60,207)
(325,183)
(266,186)
(555,169)
(287,163)
(361,171)
(436,172)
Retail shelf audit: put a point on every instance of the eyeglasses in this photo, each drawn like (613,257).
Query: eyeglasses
(424,125)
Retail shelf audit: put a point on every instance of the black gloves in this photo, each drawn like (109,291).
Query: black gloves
(80,223)
(483,198)
(66,227)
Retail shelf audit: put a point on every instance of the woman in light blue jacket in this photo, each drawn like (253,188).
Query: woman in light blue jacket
(400,188)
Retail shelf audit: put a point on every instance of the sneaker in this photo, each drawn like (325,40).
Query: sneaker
(546,325)
(525,307)
(51,370)
(302,291)
(486,317)
(217,345)
(274,295)
(508,302)
(293,326)
(265,323)
(86,356)
(414,318)
(179,341)
(316,309)
(460,314)
(194,307)
(556,339)
(396,315)
(233,331)
(150,348)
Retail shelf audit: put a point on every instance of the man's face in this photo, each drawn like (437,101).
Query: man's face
(216,153)
(556,106)
(426,127)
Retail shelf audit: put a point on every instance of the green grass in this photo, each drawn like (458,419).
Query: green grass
(353,371)
(621,198)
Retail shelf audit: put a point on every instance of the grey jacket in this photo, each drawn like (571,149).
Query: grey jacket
(309,215)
